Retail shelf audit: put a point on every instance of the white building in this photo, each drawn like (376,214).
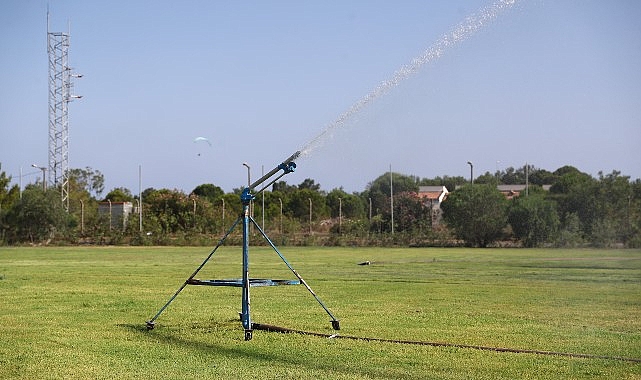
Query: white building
(117,212)
(433,196)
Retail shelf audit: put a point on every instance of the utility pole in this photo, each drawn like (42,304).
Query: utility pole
(391,197)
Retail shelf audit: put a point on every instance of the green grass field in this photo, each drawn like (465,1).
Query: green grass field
(79,313)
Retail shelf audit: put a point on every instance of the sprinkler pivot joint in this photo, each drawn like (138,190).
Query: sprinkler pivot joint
(287,167)
(246,196)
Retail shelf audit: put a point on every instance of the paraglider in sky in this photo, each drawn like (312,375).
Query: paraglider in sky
(201,140)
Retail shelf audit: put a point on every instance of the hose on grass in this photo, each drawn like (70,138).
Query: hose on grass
(285,330)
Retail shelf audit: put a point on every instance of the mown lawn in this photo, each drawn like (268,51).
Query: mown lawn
(79,313)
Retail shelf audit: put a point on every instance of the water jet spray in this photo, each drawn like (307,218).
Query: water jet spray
(460,33)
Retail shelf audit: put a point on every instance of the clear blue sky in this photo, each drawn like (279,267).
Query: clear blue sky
(548,82)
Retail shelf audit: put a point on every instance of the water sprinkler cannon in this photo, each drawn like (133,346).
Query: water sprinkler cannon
(245,220)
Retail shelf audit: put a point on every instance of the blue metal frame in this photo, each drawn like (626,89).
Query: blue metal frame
(245,283)
(245,316)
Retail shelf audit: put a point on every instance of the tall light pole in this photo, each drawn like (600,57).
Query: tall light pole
(471,172)
(44,180)
(249,178)
(140,198)
(391,197)
(249,181)
(340,215)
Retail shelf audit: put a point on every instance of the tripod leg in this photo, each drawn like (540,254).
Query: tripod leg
(152,322)
(335,322)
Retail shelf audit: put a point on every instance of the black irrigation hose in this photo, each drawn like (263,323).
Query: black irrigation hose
(264,327)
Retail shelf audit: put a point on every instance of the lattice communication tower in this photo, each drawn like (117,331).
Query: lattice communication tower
(60,95)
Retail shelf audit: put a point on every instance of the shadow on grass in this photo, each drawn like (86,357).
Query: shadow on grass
(252,352)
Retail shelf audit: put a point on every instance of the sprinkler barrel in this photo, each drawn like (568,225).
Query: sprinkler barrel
(287,166)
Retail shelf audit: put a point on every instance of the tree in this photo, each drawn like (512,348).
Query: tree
(119,194)
(8,198)
(512,176)
(209,191)
(570,232)
(379,189)
(576,193)
(410,213)
(8,195)
(87,179)
(170,210)
(309,183)
(38,217)
(283,187)
(534,219)
(233,205)
(541,177)
(351,206)
(298,205)
(451,183)
(476,213)
(487,179)
(518,176)
(611,197)
(634,215)
(206,216)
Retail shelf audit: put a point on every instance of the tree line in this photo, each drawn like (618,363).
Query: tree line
(575,209)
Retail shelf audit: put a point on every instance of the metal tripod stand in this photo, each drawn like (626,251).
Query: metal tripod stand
(245,282)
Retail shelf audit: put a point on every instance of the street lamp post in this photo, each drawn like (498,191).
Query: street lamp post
(249,178)
(44,181)
(471,172)
(249,181)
